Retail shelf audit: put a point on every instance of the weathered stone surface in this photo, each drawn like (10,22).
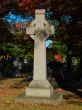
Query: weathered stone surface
(39,30)
(55,99)
(39,88)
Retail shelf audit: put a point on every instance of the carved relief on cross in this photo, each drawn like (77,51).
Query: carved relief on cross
(39,28)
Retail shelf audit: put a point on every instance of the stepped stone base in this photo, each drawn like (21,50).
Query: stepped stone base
(40,92)
(39,89)
(55,99)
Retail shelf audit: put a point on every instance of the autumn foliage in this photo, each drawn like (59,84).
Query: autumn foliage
(58,57)
(29,5)
(18,26)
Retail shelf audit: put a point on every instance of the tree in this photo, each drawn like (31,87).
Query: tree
(66,12)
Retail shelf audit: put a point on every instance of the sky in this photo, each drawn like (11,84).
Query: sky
(48,43)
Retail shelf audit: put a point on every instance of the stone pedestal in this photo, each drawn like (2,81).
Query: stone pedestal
(55,99)
(39,88)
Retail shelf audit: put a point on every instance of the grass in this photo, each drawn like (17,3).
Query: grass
(11,88)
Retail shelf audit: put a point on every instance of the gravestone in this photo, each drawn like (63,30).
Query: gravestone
(25,61)
(16,68)
(40,89)
(39,30)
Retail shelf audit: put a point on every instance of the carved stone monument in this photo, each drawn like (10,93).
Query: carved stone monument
(40,90)
(39,30)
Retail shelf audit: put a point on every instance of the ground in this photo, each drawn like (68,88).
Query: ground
(10,88)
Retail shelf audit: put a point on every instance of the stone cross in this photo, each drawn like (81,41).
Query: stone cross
(39,30)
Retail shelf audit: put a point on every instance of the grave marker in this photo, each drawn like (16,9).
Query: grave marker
(39,30)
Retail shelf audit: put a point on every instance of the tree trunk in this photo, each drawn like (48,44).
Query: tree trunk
(69,77)
(80,65)
(69,58)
